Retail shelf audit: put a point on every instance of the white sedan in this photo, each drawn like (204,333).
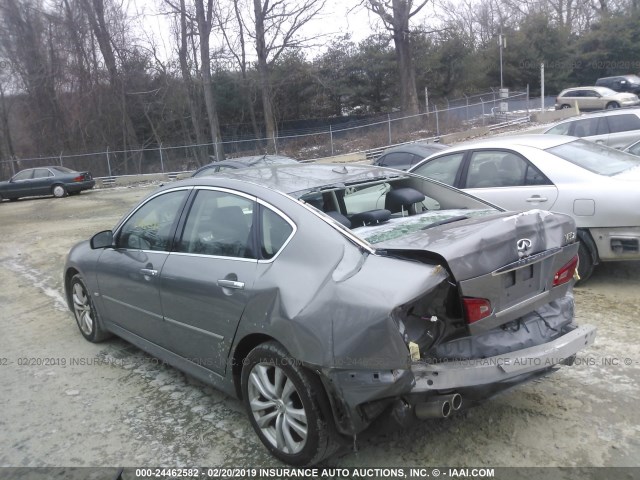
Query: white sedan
(598,186)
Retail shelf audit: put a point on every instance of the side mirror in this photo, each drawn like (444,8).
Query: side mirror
(102,239)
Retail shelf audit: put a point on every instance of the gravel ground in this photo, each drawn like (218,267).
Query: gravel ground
(67,402)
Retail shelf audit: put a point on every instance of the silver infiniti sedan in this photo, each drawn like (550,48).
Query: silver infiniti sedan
(330,298)
(598,186)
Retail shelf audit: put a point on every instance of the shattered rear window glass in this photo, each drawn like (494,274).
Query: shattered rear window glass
(399,227)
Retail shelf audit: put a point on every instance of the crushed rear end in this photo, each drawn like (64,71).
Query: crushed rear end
(500,314)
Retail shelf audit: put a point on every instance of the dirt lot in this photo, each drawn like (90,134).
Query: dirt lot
(109,404)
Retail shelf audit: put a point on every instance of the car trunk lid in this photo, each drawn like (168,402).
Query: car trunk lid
(507,261)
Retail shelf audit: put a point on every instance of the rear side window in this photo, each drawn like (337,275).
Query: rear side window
(41,173)
(623,123)
(396,159)
(275,233)
(219,224)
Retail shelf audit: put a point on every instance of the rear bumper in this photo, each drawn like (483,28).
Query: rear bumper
(79,186)
(617,243)
(473,373)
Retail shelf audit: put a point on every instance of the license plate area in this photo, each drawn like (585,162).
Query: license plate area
(521,283)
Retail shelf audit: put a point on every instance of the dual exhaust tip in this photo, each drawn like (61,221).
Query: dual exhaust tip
(439,407)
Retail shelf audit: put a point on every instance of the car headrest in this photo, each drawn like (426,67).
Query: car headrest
(338,217)
(402,198)
(370,217)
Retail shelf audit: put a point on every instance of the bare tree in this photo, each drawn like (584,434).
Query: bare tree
(95,11)
(204,19)
(276,27)
(395,15)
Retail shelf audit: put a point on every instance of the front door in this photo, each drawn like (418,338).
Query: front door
(129,274)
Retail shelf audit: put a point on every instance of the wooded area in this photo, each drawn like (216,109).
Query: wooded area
(77,75)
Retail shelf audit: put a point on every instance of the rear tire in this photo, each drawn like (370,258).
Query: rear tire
(59,191)
(585,263)
(612,105)
(564,107)
(282,400)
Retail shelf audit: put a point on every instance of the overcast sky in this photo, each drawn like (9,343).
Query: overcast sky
(339,17)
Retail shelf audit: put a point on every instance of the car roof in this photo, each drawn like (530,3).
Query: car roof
(539,141)
(420,149)
(246,162)
(590,87)
(607,113)
(300,178)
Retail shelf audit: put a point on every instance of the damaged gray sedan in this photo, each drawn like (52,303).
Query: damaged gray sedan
(332,298)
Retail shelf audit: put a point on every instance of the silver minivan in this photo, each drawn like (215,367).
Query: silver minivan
(617,129)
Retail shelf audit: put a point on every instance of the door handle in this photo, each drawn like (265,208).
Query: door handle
(231,284)
(148,272)
(536,198)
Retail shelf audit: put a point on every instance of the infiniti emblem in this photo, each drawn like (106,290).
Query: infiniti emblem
(524,244)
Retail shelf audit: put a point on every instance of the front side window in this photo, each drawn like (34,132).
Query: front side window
(23,175)
(444,169)
(586,127)
(219,224)
(151,226)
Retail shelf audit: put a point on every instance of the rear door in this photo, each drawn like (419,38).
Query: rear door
(41,181)
(624,128)
(208,280)
(507,179)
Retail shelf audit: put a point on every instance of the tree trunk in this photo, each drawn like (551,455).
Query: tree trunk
(192,94)
(263,74)
(204,28)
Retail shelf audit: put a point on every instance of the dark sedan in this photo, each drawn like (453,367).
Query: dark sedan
(405,156)
(54,180)
(243,162)
(327,297)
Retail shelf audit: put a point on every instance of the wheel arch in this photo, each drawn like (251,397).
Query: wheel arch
(68,275)
(584,235)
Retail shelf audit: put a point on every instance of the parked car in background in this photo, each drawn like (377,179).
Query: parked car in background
(621,83)
(242,162)
(634,148)
(405,156)
(325,319)
(595,98)
(598,186)
(54,180)
(617,128)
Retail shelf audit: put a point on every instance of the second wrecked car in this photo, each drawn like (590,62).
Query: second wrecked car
(330,297)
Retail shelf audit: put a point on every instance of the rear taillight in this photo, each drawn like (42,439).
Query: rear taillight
(476,308)
(566,273)
(79,178)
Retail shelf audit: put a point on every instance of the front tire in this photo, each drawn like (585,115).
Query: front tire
(612,105)
(59,191)
(282,400)
(585,263)
(85,312)
(564,107)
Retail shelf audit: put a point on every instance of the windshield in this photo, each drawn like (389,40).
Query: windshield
(595,158)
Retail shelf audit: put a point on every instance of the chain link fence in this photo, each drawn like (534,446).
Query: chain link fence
(442,118)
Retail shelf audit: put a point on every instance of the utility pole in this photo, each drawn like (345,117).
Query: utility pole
(502,41)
